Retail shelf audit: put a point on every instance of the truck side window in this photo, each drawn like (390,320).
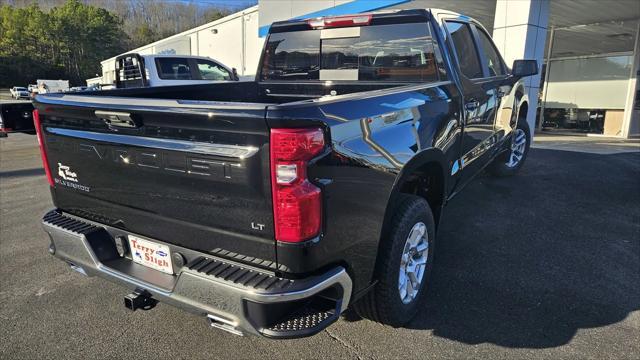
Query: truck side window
(211,71)
(494,62)
(173,68)
(465,49)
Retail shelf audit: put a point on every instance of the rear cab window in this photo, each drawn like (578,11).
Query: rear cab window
(174,68)
(389,52)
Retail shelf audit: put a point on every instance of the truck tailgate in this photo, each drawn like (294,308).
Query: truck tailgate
(191,173)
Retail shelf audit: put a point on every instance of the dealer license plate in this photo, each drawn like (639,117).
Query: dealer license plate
(150,254)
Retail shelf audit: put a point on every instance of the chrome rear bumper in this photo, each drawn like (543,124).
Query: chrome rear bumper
(235,297)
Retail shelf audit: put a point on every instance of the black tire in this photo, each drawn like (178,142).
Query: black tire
(383,303)
(500,166)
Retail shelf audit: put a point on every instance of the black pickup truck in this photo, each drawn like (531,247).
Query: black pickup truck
(16,116)
(271,206)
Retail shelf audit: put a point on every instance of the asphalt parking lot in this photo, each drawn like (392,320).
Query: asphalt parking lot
(542,265)
(5,95)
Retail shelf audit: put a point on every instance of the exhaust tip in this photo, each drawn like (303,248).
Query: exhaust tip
(224,324)
(77,268)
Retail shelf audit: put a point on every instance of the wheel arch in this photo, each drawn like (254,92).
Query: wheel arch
(430,162)
(521,102)
(425,176)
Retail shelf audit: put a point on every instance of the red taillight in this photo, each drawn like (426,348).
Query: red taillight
(43,152)
(297,203)
(340,21)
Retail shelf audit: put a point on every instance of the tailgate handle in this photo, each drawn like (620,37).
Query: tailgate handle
(118,119)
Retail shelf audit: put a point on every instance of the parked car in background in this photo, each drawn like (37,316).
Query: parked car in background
(15,116)
(18,92)
(33,90)
(52,86)
(271,206)
(135,70)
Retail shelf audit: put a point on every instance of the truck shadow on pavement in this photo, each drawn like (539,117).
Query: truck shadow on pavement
(21,173)
(526,262)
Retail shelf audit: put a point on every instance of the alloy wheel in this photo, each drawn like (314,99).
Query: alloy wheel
(413,262)
(518,147)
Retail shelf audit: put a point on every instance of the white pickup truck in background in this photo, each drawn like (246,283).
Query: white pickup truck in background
(135,70)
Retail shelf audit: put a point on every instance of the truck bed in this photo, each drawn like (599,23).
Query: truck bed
(246,91)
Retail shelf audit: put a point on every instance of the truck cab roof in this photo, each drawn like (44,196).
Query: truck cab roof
(153,56)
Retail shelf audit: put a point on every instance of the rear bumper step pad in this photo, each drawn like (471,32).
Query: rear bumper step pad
(237,274)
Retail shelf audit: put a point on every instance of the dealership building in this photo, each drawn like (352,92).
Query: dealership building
(588,51)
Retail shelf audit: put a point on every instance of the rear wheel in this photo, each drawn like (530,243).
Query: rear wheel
(404,265)
(509,162)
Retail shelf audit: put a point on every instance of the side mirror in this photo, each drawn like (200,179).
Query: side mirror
(522,68)
(235,74)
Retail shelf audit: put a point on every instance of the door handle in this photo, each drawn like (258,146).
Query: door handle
(117,119)
(471,105)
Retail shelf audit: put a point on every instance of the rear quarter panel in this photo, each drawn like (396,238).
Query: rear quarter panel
(373,137)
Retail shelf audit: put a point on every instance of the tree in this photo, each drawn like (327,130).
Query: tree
(67,42)
(25,50)
(67,39)
(143,34)
(85,35)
